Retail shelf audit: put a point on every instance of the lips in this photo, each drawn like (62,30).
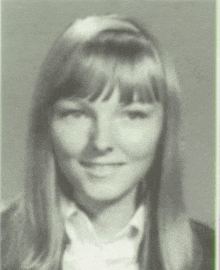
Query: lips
(101,170)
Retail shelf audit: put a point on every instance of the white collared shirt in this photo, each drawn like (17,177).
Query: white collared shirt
(87,252)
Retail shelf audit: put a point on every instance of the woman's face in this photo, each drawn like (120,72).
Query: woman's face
(105,148)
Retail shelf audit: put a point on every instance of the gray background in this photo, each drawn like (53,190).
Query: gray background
(185,28)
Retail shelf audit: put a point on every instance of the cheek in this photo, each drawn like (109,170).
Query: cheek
(69,141)
(140,141)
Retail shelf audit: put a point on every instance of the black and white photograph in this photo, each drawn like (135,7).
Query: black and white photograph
(108,135)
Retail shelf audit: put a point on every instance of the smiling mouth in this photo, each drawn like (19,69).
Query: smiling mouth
(101,170)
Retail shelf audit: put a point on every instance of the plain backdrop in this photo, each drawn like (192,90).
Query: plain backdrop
(186,28)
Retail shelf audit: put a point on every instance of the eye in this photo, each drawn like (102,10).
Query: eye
(76,113)
(136,115)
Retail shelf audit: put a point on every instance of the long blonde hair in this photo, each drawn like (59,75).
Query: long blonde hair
(91,53)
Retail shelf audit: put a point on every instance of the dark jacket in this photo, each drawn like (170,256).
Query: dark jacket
(203,234)
(206,239)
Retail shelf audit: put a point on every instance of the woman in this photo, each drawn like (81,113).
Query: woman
(103,188)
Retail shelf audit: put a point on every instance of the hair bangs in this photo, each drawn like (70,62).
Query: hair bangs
(83,78)
(137,82)
(141,82)
(114,58)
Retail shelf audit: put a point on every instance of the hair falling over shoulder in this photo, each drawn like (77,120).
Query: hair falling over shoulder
(91,53)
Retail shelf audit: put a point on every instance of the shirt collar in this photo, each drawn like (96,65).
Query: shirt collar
(135,225)
(68,208)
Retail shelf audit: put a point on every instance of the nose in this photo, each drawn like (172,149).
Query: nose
(102,135)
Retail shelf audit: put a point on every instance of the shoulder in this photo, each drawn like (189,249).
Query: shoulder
(7,221)
(7,209)
(9,227)
(205,237)
(7,214)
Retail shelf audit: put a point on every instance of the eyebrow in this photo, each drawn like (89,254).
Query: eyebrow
(87,105)
(71,101)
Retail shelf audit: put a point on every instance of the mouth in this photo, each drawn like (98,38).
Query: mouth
(101,170)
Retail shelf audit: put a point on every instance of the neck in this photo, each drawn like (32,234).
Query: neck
(109,218)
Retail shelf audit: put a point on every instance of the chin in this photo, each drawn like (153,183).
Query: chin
(104,194)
